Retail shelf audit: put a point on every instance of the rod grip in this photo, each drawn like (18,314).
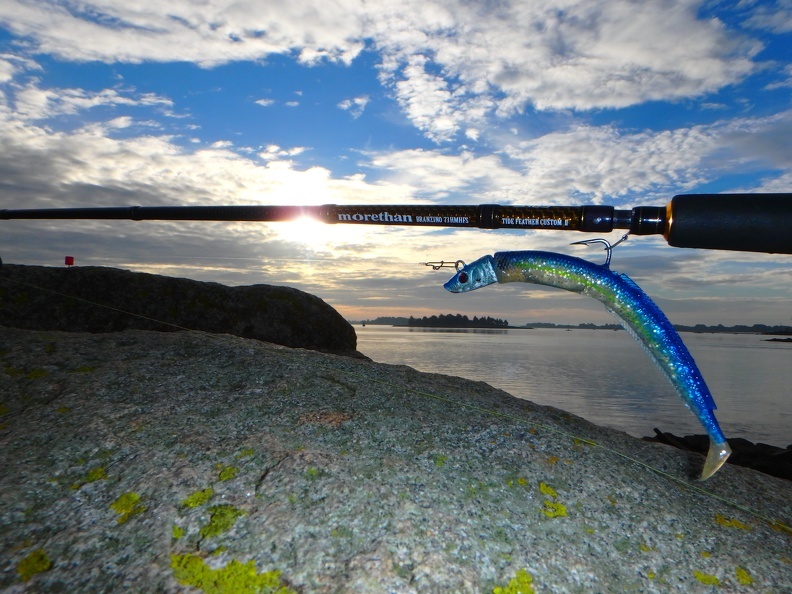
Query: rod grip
(744,222)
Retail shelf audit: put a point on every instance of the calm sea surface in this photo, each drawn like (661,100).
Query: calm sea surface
(604,376)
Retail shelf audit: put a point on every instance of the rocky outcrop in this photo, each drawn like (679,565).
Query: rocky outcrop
(98,299)
(149,462)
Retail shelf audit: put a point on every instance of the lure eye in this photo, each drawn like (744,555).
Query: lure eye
(463,277)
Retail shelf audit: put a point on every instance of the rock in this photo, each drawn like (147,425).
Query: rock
(144,461)
(44,298)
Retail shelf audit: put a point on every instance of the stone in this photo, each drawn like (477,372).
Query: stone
(148,462)
(47,298)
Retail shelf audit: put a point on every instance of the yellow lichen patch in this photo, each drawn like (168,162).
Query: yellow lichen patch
(198,498)
(547,490)
(234,578)
(177,532)
(332,419)
(246,453)
(705,554)
(519,584)
(730,523)
(780,526)
(553,509)
(551,460)
(227,473)
(127,505)
(33,563)
(95,474)
(743,577)
(707,579)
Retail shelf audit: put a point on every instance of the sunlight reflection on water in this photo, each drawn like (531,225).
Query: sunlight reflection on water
(605,377)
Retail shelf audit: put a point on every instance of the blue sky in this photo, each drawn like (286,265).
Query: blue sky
(107,103)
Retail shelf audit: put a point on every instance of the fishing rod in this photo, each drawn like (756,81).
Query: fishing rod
(743,222)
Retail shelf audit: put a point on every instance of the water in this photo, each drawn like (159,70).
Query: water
(605,377)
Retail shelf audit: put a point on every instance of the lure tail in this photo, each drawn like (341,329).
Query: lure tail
(716,457)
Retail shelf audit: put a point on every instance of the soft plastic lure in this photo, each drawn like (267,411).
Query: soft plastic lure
(627,302)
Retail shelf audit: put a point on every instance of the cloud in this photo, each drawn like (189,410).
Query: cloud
(450,64)
(773,16)
(207,34)
(32,102)
(265,102)
(355,106)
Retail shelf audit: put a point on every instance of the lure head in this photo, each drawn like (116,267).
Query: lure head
(473,276)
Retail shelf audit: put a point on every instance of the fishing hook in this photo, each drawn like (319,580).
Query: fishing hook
(608,246)
(458,265)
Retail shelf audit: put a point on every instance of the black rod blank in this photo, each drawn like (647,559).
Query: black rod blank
(745,222)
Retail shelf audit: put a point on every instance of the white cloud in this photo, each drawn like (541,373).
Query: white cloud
(355,106)
(592,163)
(273,152)
(207,34)
(460,63)
(35,103)
(450,63)
(265,102)
(773,16)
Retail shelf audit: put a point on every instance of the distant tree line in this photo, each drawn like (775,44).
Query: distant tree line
(457,321)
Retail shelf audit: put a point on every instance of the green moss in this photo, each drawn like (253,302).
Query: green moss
(198,498)
(221,518)
(177,532)
(50,348)
(245,453)
(4,410)
(84,369)
(127,505)
(234,578)
(34,563)
(707,579)
(519,584)
(36,373)
(12,371)
(228,473)
(311,473)
(439,460)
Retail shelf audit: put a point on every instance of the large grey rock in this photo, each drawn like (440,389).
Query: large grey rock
(133,460)
(44,298)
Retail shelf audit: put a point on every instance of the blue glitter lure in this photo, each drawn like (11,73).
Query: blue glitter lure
(627,302)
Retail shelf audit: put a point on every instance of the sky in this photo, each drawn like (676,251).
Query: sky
(515,102)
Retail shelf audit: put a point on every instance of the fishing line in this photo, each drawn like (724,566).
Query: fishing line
(693,487)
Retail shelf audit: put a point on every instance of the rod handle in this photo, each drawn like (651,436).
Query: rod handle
(744,222)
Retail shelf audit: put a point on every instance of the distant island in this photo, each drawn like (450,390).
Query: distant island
(462,321)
